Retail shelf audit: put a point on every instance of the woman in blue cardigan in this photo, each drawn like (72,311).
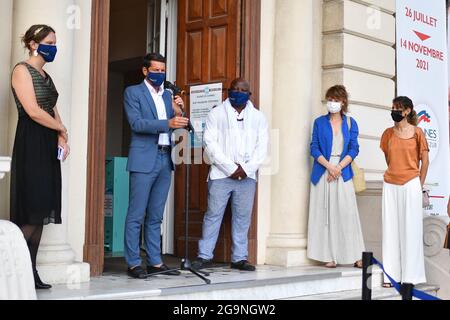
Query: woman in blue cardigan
(334,228)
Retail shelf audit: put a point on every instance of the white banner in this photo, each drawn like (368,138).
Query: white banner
(422,75)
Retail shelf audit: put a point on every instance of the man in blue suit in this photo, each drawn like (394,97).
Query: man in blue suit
(150,112)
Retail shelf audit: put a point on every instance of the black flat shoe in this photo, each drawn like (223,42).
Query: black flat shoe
(38,284)
(165,269)
(201,264)
(243,266)
(137,273)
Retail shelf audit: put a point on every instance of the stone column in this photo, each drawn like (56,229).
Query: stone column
(79,116)
(56,259)
(5,89)
(297,83)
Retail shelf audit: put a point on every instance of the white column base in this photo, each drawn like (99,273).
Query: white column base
(55,254)
(70,274)
(56,259)
(287,257)
(287,250)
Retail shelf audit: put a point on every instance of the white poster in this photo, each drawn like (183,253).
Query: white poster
(422,75)
(203,98)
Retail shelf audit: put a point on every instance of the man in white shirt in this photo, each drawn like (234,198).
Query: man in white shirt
(236,142)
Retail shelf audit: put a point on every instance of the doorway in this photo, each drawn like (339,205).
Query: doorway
(136,27)
(235,21)
(218,42)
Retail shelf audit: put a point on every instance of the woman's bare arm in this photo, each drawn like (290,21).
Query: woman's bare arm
(23,86)
(424,167)
(62,135)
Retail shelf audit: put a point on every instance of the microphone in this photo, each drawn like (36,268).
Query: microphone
(177,91)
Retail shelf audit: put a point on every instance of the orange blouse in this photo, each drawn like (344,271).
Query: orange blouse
(403,156)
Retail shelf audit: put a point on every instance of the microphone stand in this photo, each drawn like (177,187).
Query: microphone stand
(186,264)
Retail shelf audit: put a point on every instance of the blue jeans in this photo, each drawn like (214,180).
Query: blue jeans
(148,196)
(242,195)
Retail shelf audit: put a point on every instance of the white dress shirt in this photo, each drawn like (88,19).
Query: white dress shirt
(161,109)
(239,119)
(225,151)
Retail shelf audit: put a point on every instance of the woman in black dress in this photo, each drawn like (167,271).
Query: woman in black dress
(36,170)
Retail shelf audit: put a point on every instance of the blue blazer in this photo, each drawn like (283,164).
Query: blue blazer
(145,127)
(322,142)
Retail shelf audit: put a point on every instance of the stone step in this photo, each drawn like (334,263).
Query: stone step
(341,279)
(377,294)
(267,283)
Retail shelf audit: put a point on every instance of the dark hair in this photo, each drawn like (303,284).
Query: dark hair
(406,103)
(36,33)
(147,61)
(339,92)
(239,81)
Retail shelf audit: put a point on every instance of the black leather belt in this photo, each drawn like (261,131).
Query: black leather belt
(164,149)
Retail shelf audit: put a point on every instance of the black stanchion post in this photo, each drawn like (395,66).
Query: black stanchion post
(367,276)
(407,291)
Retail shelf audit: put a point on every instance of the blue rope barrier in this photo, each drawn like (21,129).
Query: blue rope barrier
(416,293)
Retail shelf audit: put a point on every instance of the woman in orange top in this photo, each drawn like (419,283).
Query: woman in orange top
(406,151)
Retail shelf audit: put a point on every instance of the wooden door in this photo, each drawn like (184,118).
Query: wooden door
(208,52)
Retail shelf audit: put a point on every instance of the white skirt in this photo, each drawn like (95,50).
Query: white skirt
(334,228)
(403,256)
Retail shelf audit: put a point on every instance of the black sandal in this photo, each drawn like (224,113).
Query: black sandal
(358,265)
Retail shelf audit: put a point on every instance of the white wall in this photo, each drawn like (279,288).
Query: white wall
(358,40)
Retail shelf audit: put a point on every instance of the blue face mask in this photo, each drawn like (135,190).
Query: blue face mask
(238,98)
(47,51)
(156,78)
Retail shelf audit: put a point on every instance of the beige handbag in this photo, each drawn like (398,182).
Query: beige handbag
(359,180)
